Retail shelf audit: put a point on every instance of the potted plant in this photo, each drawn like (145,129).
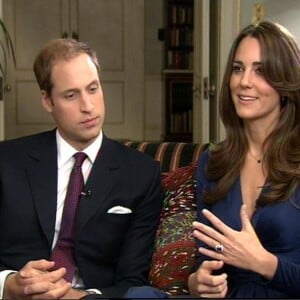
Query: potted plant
(6,49)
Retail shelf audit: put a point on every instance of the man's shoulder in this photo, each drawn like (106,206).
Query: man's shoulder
(130,154)
(27,141)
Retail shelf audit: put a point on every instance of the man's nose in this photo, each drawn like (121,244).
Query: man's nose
(86,103)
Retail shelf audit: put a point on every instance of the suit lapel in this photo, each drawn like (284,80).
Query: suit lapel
(42,175)
(100,182)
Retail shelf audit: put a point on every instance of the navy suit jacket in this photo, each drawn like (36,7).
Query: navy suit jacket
(113,251)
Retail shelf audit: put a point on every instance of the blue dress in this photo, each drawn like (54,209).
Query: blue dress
(278,229)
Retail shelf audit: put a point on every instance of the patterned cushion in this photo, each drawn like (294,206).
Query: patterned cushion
(175,247)
(171,155)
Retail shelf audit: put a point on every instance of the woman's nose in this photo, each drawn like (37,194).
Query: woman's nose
(247,79)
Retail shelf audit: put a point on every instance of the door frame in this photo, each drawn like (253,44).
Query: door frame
(228,26)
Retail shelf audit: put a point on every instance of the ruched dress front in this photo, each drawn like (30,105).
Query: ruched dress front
(278,229)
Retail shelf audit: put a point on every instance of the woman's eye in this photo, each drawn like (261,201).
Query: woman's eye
(259,71)
(237,69)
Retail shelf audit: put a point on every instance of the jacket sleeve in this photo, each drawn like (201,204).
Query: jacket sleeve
(136,253)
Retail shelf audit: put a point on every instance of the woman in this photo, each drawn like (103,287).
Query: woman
(248,227)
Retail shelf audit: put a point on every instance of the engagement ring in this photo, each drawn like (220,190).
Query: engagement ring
(219,248)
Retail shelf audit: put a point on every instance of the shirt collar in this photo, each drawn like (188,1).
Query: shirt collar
(65,151)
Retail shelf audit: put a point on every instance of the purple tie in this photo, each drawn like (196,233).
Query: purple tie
(63,253)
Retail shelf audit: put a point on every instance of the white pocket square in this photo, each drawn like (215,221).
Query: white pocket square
(119,210)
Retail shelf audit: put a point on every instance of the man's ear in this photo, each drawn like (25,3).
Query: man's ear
(46,101)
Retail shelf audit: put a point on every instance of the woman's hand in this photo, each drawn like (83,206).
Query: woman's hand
(203,284)
(241,249)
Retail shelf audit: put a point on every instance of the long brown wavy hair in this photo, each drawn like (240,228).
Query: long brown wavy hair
(281,68)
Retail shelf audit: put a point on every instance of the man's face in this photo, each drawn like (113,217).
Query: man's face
(76,102)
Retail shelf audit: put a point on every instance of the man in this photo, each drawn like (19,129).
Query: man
(119,206)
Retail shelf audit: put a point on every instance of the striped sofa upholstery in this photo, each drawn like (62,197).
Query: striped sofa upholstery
(175,248)
(171,155)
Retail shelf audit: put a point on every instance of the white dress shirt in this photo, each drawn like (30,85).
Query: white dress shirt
(65,162)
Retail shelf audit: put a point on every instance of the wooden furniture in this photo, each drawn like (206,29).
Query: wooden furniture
(178,73)
(179,106)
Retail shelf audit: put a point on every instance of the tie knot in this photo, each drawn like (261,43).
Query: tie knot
(79,158)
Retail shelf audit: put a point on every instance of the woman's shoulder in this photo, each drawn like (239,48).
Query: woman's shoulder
(202,164)
(206,154)
(205,158)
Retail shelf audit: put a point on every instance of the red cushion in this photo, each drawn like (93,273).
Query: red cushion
(175,248)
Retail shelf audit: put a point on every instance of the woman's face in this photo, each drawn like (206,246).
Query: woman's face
(253,97)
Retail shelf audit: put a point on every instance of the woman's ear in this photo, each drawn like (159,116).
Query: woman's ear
(46,101)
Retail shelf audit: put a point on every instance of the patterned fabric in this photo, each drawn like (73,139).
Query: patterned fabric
(175,248)
(171,155)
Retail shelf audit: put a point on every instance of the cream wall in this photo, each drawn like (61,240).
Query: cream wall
(285,12)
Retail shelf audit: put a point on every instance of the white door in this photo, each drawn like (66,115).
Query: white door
(216,25)
(110,27)
(201,72)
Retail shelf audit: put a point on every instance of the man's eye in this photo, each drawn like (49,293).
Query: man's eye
(69,95)
(93,89)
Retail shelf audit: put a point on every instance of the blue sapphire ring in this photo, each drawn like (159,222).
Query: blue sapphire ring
(219,248)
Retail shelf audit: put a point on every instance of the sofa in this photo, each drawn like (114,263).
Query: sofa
(175,249)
